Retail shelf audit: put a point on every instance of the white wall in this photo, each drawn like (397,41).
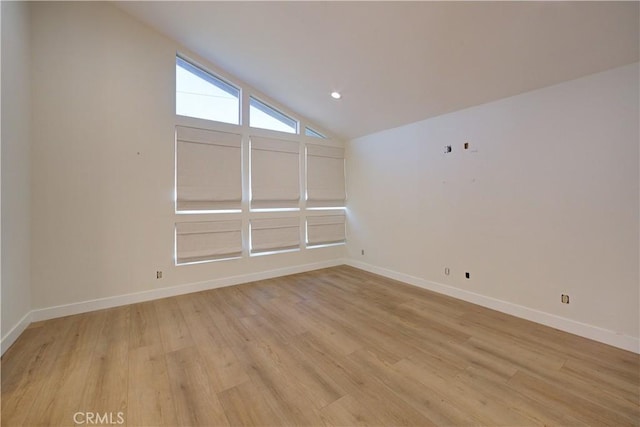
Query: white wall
(103,161)
(544,202)
(16,211)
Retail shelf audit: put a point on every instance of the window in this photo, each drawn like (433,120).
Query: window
(325,177)
(200,94)
(250,180)
(209,170)
(325,230)
(275,173)
(313,133)
(208,241)
(274,235)
(265,117)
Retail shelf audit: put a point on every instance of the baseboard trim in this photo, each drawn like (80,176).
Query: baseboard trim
(15,332)
(120,300)
(584,330)
(595,333)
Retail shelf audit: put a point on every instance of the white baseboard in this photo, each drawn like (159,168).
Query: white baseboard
(14,333)
(595,333)
(588,331)
(120,300)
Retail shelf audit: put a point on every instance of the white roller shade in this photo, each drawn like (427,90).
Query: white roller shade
(274,234)
(204,241)
(325,229)
(275,173)
(209,169)
(325,176)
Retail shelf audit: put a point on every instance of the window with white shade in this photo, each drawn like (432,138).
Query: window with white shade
(202,95)
(325,230)
(275,173)
(270,235)
(263,184)
(208,241)
(325,177)
(208,170)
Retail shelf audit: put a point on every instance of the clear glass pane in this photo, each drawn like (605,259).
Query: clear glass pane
(313,133)
(201,95)
(265,117)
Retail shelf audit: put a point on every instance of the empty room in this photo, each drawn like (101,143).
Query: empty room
(320,213)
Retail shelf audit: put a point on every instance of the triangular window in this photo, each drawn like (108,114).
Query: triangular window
(202,95)
(263,116)
(313,133)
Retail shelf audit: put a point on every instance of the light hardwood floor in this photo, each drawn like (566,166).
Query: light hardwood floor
(334,347)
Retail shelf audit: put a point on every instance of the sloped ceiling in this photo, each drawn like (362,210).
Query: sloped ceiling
(398,62)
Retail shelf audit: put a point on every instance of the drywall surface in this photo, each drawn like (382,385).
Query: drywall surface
(543,202)
(16,151)
(103,161)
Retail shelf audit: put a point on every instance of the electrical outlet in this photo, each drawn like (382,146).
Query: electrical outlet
(447,149)
(158,274)
(467,275)
(564,299)
(447,271)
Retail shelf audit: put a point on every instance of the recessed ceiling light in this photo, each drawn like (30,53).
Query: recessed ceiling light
(336,95)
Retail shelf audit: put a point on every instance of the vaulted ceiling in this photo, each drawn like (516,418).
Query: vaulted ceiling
(398,62)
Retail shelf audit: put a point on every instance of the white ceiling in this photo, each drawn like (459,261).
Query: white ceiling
(398,62)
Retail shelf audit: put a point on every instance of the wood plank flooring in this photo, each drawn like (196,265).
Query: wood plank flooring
(334,347)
